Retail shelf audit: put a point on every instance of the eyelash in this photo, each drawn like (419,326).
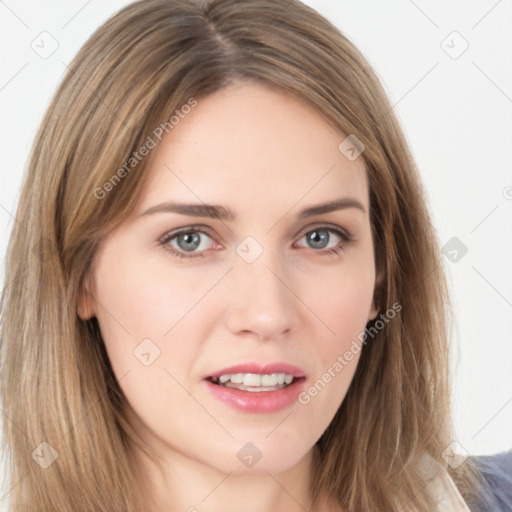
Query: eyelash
(346,239)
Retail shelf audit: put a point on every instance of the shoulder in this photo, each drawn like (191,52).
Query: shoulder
(496,492)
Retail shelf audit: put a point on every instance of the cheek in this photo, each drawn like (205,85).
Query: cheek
(343,300)
(138,297)
(343,303)
(148,314)
(144,316)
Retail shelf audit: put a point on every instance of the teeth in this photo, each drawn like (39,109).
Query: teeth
(269,380)
(251,379)
(255,380)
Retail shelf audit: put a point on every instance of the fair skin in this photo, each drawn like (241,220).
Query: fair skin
(266,157)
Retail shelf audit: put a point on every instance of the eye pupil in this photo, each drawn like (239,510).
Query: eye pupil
(318,239)
(191,238)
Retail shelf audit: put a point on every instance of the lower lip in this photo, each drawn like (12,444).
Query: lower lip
(257,401)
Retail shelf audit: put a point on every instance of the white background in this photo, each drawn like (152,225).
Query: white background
(456,114)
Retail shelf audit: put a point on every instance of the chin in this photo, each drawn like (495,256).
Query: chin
(260,457)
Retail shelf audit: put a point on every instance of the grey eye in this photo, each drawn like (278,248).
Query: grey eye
(318,238)
(188,241)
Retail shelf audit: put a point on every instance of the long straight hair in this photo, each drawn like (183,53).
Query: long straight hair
(61,401)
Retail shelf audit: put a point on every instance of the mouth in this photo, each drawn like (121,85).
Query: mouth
(257,388)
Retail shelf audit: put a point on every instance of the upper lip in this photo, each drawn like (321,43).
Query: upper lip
(261,368)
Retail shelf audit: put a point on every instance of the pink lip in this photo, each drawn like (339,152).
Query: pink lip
(260,401)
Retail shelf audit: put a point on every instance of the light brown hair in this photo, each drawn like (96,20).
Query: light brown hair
(56,381)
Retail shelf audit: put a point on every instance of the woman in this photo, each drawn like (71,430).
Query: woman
(231,293)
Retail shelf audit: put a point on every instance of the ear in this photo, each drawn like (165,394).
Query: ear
(374,311)
(377,292)
(85,309)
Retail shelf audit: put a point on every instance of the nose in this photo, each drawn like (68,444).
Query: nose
(261,298)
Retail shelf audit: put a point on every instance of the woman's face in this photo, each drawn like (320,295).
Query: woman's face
(265,281)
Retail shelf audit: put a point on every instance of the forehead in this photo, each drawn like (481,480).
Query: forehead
(253,146)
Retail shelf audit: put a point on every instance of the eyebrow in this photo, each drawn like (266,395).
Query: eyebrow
(225,214)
